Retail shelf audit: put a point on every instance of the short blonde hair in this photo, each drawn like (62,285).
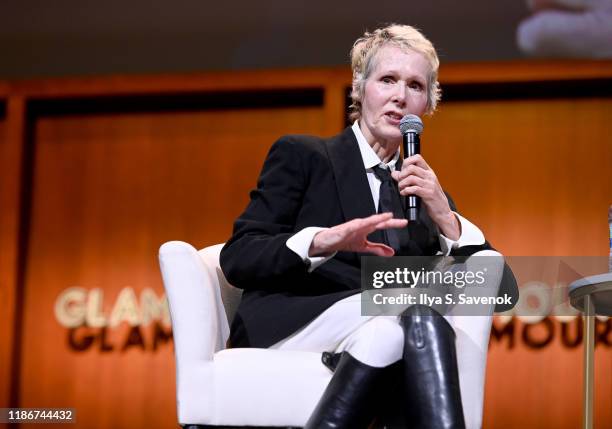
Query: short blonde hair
(363,56)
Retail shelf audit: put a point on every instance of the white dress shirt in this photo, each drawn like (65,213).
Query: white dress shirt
(301,241)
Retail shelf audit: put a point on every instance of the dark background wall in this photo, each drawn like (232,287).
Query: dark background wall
(65,37)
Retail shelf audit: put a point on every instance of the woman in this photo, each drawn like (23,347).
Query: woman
(296,248)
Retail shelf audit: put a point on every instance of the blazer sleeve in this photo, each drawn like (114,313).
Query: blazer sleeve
(257,252)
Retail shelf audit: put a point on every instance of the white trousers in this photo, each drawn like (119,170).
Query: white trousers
(379,340)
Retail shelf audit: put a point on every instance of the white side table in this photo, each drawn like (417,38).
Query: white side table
(592,296)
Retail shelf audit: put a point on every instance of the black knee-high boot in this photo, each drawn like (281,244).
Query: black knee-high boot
(349,401)
(431,375)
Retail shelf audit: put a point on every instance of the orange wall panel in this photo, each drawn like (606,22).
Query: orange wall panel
(108,190)
(533,174)
(6,304)
(536,176)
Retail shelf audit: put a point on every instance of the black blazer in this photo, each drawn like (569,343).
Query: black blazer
(305,181)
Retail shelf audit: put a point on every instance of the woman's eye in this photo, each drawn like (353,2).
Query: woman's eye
(387,79)
(416,86)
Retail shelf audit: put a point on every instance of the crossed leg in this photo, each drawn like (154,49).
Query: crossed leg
(378,341)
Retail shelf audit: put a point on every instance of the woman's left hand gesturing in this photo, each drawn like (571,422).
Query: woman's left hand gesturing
(417,178)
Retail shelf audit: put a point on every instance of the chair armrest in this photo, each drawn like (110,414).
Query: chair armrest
(199,323)
(473,332)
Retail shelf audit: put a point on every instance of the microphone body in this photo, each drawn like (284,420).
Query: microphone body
(411,127)
(412,146)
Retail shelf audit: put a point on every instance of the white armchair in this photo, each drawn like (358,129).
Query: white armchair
(216,386)
(253,387)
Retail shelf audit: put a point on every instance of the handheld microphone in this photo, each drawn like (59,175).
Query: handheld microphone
(411,127)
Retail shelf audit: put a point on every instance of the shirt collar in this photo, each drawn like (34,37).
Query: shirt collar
(370,159)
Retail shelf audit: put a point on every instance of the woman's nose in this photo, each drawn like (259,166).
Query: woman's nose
(399,95)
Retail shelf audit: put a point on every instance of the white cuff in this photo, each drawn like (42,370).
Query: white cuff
(471,235)
(300,244)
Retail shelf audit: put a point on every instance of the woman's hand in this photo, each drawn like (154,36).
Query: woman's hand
(352,236)
(417,178)
(567,28)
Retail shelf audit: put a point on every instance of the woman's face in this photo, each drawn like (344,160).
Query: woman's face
(397,86)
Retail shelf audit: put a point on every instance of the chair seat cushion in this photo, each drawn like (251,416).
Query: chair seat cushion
(260,387)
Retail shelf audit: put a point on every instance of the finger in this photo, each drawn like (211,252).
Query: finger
(427,193)
(356,225)
(392,223)
(413,190)
(379,217)
(370,222)
(413,181)
(378,249)
(416,160)
(412,170)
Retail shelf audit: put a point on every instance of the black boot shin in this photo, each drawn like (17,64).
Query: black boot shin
(348,400)
(431,375)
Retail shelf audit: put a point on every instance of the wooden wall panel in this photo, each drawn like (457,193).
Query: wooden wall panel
(6,303)
(536,176)
(528,387)
(108,190)
(11,187)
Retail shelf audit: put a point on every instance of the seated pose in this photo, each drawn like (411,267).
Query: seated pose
(320,204)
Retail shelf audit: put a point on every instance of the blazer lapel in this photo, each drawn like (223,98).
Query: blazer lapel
(351,181)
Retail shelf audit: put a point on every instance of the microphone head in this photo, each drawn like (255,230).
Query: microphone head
(411,123)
